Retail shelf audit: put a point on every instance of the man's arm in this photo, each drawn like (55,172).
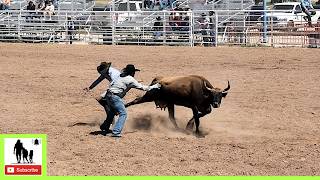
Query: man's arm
(104,74)
(96,82)
(135,84)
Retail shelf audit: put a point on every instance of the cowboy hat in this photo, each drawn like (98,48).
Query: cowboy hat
(129,69)
(103,66)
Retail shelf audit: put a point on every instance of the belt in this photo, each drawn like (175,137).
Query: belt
(111,93)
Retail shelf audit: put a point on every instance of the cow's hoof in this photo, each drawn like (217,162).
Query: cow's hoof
(199,135)
(188,131)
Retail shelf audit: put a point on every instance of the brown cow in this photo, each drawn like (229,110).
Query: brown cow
(191,91)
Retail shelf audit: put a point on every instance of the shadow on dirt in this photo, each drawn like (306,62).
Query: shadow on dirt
(103,133)
(95,133)
(83,124)
(160,124)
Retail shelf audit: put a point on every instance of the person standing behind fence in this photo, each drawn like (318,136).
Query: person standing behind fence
(204,26)
(49,10)
(212,26)
(6,4)
(158,27)
(306,5)
(70,30)
(31,8)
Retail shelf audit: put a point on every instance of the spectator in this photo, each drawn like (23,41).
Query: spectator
(49,10)
(212,27)
(185,24)
(152,4)
(204,27)
(55,3)
(70,30)
(175,21)
(148,4)
(306,6)
(6,4)
(163,4)
(170,2)
(31,8)
(41,5)
(158,27)
(314,37)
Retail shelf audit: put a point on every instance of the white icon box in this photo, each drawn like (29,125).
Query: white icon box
(10,169)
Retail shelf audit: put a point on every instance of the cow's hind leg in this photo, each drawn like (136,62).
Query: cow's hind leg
(171,115)
(190,124)
(148,97)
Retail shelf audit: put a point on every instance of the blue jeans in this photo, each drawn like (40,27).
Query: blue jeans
(118,106)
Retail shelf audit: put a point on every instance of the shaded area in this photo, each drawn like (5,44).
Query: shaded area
(83,124)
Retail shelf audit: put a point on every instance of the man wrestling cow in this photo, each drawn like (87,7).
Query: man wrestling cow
(112,101)
(192,91)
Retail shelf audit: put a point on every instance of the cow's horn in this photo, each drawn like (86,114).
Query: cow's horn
(209,89)
(226,89)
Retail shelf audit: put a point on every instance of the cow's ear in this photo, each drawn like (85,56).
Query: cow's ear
(224,94)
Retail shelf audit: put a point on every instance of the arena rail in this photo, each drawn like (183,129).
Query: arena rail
(176,28)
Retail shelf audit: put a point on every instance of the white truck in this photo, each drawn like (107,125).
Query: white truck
(289,13)
(125,15)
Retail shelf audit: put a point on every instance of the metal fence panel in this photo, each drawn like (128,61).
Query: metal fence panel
(176,28)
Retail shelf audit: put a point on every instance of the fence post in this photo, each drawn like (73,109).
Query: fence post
(191,28)
(271,29)
(216,29)
(19,25)
(113,27)
(66,29)
(164,28)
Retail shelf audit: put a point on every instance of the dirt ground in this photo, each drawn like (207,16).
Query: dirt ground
(267,125)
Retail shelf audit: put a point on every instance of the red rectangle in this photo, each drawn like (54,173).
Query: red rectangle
(22,169)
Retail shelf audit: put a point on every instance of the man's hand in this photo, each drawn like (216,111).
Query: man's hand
(86,89)
(156,86)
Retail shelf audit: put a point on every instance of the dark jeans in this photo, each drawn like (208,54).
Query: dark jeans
(70,36)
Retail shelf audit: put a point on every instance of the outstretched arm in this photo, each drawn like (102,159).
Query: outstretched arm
(96,82)
(135,84)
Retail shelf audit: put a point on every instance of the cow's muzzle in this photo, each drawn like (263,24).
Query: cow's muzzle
(215,105)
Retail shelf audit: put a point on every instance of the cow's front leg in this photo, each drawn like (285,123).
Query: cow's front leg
(196,119)
(196,116)
(190,124)
(171,115)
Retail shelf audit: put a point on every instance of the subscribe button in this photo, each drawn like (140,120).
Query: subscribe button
(23,170)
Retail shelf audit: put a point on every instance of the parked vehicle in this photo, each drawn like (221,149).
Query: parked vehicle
(133,9)
(255,12)
(289,13)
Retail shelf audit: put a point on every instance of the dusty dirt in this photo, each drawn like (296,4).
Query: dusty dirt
(267,125)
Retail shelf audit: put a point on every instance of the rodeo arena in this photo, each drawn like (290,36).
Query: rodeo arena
(218,87)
